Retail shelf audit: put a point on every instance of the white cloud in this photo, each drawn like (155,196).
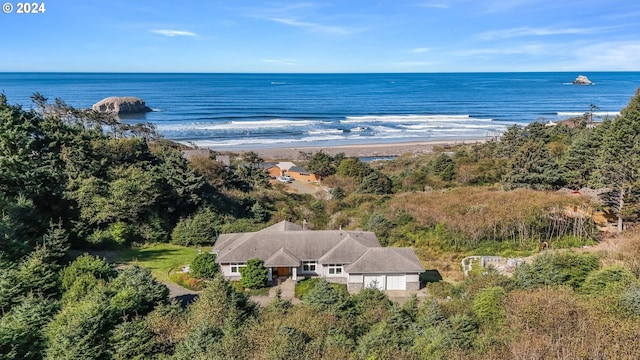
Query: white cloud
(172,33)
(419,50)
(280,62)
(543,31)
(336,30)
(609,56)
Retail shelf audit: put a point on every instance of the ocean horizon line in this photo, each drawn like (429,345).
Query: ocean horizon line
(321,73)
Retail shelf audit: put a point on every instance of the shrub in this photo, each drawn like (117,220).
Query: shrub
(201,228)
(86,264)
(630,302)
(488,306)
(598,281)
(204,266)
(187,282)
(254,275)
(562,268)
(324,296)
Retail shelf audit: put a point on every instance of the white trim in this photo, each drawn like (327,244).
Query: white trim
(335,270)
(312,266)
(234,268)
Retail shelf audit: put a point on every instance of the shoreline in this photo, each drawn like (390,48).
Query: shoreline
(357,150)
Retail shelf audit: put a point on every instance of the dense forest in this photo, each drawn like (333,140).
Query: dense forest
(75,181)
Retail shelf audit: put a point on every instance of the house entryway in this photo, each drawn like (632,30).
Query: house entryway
(283,271)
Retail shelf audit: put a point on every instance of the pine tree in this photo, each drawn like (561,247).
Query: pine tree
(619,162)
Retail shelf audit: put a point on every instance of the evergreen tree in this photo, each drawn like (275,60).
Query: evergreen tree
(321,164)
(619,162)
(532,167)
(132,340)
(204,266)
(578,166)
(200,228)
(324,296)
(22,330)
(254,275)
(376,183)
(135,292)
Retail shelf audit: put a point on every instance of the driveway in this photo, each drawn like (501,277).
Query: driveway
(303,187)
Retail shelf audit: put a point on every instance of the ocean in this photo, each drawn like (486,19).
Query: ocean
(250,111)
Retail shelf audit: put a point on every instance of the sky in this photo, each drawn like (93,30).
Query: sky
(324,36)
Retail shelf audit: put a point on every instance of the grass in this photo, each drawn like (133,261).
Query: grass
(161,259)
(187,282)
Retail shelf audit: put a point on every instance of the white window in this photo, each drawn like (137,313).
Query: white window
(309,266)
(335,269)
(235,267)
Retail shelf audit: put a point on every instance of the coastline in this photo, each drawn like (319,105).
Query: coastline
(360,150)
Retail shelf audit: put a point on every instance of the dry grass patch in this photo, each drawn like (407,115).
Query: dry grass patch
(475,214)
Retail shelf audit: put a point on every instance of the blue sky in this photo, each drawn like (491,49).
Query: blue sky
(324,36)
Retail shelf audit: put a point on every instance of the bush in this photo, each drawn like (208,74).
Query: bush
(202,228)
(324,296)
(86,264)
(204,266)
(562,268)
(187,281)
(488,306)
(254,275)
(597,282)
(302,287)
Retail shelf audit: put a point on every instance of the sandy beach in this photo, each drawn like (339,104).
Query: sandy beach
(360,150)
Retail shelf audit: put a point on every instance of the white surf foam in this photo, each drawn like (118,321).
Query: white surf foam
(407,118)
(236,125)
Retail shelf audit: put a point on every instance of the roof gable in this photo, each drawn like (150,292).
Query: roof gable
(346,251)
(386,260)
(285,165)
(282,226)
(282,257)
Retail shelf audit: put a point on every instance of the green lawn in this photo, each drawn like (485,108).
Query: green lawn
(159,258)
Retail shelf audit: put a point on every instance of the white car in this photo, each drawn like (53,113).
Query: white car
(285,179)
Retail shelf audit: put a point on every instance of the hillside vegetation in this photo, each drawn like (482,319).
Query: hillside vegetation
(75,179)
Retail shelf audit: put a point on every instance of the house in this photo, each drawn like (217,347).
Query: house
(354,258)
(276,169)
(271,168)
(302,174)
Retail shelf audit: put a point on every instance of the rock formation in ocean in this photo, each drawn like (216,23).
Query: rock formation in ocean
(121,105)
(582,80)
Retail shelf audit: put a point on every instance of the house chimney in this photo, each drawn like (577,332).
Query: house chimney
(304,224)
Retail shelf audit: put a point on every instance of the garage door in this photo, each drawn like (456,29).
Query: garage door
(396,282)
(374,281)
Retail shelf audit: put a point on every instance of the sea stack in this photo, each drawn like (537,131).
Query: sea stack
(582,80)
(121,105)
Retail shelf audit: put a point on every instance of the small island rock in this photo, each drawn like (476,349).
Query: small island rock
(582,80)
(121,105)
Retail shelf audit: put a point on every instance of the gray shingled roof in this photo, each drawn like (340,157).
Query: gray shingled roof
(345,252)
(386,260)
(266,165)
(299,169)
(301,244)
(282,258)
